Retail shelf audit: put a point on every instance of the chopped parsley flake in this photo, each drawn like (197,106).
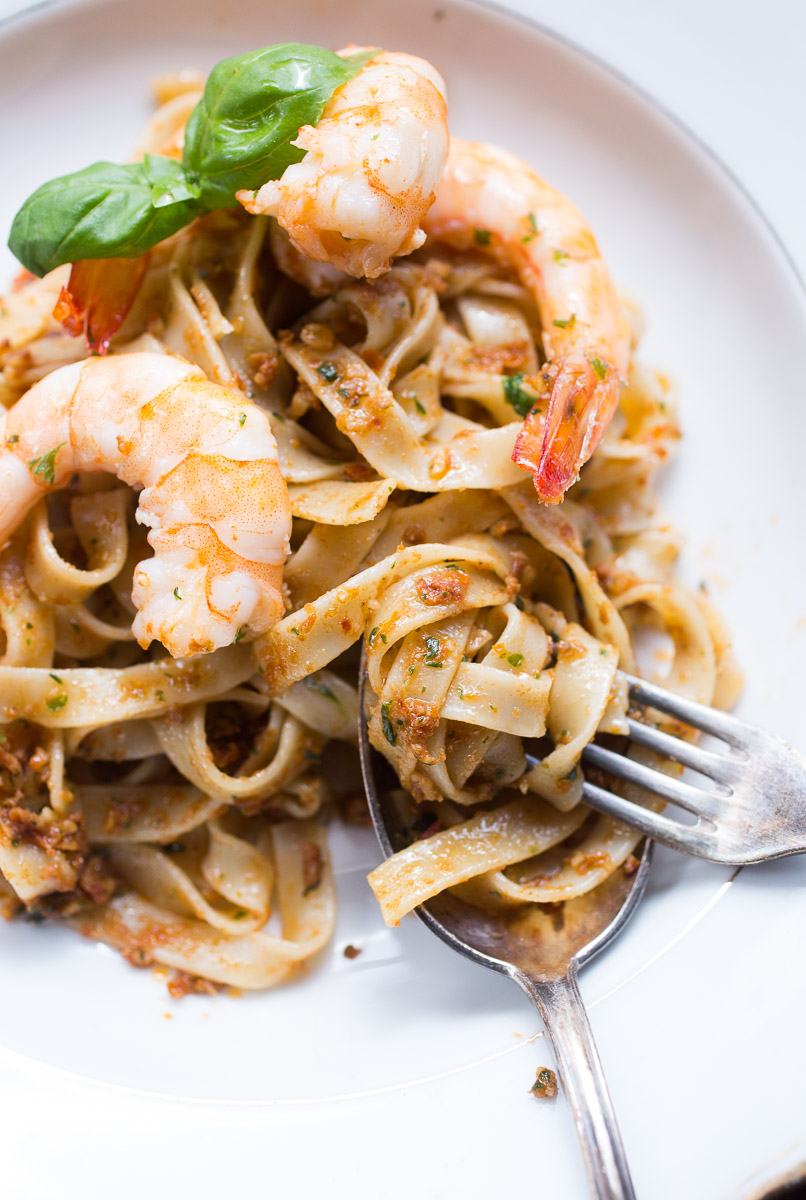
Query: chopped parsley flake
(241,418)
(599,367)
(15,437)
(521,401)
(482,237)
(560,256)
(388,727)
(176,594)
(56,677)
(514,660)
(57,702)
(532,225)
(431,649)
(420,407)
(160,694)
(44,465)
(239,633)
(329,371)
(373,633)
(568,323)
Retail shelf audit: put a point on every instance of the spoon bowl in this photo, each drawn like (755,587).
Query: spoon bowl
(541,948)
(536,940)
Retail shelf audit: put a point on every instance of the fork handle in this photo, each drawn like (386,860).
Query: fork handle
(560,1005)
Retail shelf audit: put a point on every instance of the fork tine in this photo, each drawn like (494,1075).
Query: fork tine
(696,800)
(720,724)
(691,839)
(719,767)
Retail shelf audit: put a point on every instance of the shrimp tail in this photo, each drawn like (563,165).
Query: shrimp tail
(555,448)
(531,227)
(97,298)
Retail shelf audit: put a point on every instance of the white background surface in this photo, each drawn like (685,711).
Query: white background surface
(735,74)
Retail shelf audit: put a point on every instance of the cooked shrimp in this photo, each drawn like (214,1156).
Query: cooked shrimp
(371,169)
(492,199)
(212,492)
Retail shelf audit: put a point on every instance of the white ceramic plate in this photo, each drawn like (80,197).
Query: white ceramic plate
(408,1067)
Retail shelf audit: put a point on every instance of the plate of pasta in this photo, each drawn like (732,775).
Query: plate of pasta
(299,355)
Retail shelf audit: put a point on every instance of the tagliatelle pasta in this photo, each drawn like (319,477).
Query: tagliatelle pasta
(169,807)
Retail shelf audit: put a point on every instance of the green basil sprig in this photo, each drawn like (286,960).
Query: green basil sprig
(238,136)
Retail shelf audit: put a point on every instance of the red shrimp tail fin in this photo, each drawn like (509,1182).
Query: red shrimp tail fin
(529,442)
(97,298)
(68,311)
(584,398)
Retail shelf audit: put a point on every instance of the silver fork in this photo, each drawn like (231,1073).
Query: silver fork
(754,808)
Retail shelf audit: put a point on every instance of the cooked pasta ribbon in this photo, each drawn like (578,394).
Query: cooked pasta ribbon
(168,807)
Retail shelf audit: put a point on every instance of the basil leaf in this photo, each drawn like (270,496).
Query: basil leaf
(239,134)
(169,182)
(104,211)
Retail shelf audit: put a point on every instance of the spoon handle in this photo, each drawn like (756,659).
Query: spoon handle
(560,1005)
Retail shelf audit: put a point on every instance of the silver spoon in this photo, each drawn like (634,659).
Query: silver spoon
(540,949)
